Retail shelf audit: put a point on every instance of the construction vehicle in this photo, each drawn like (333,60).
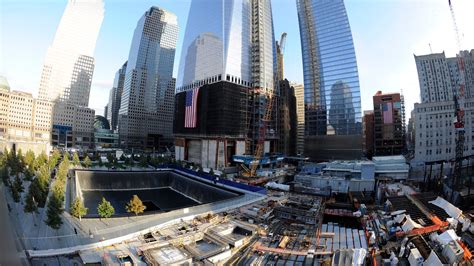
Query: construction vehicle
(458,97)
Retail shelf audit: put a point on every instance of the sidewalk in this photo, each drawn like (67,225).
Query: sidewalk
(11,252)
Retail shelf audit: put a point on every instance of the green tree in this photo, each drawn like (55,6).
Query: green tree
(116,164)
(15,162)
(100,163)
(35,193)
(110,158)
(211,172)
(30,203)
(41,160)
(4,175)
(75,159)
(63,170)
(29,174)
(53,213)
(20,161)
(15,193)
(77,209)
(30,159)
(44,177)
(135,205)
(105,209)
(18,184)
(58,190)
(87,162)
(3,157)
(143,161)
(53,159)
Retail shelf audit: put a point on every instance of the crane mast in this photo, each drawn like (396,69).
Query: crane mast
(458,97)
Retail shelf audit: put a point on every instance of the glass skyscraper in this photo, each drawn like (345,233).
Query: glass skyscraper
(219,44)
(69,63)
(67,73)
(331,80)
(115,96)
(146,107)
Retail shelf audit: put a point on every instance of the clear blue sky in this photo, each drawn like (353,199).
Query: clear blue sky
(386,35)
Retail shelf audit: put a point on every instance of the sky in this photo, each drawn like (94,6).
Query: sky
(386,33)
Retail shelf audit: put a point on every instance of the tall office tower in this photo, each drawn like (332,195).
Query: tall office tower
(145,115)
(227,65)
(115,96)
(389,117)
(433,118)
(332,95)
(299,94)
(106,110)
(68,68)
(287,119)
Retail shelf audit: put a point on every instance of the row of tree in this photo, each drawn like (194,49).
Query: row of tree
(105,208)
(58,191)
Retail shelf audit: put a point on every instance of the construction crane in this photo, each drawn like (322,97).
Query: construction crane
(259,148)
(458,97)
(261,136)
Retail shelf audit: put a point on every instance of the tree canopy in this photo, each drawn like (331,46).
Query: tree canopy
(77,208)
(135,205)
(105,209)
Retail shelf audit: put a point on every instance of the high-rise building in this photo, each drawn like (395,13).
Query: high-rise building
(146,110)
(106,110)
(68,68)
(115,96)
(25,122)
(333,122)
(287,120)
(368,133)
(438,75)
(410,136)
(229,61)
(389,132)
(434,77)
(299,94)
(432,120)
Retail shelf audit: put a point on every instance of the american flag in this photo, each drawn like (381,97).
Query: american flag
(190,116)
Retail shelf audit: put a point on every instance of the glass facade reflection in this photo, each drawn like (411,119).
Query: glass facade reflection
(146,107)
(219,44)
(331,80)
